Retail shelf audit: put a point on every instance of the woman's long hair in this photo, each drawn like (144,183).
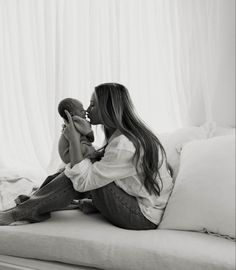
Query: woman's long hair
(117,112)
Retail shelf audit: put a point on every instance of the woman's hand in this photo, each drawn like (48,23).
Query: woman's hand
(82,125)
(73,138)
(69,131)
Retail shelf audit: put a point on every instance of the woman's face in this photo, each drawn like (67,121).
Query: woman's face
(93,111)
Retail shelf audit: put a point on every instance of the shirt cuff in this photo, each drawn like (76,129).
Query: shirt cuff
(79,168)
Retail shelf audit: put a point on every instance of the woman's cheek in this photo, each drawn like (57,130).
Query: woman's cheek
(94,120)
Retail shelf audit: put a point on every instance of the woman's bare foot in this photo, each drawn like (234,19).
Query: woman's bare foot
(86,206)
(21,198)
(6,218)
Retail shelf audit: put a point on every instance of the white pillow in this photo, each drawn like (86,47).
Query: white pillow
(222,131)
(203,198)
(173,142)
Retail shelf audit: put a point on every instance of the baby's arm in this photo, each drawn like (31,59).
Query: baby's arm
(63,149)
(82,125)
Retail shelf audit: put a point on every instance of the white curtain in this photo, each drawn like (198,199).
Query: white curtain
(165,51)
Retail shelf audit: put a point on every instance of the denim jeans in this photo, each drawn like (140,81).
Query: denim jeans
(57,192)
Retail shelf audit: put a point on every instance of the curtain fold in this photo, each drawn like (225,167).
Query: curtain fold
(166,52)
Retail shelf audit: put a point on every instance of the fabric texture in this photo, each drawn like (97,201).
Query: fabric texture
(167,53)
(57,193)
(10,188)
(174,141)
(89,240)
(203,198)
(120,208)
(17,263)
(117,166)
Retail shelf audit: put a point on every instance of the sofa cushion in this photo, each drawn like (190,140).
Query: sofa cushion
(89,240)
(173,143)
(203,198)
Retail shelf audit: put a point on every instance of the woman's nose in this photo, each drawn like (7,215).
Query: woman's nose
(88,110)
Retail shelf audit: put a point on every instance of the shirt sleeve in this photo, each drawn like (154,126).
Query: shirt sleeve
(116,164)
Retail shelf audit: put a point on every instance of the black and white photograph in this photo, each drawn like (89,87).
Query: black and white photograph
(117,138)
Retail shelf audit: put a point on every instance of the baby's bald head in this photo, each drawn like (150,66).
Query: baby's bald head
(73,106)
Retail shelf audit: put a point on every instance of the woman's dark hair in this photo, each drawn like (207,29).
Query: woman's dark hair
(117,112)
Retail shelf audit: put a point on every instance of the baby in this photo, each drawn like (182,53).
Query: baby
(76,110)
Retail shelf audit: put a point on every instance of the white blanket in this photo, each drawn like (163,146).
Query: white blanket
(11,187)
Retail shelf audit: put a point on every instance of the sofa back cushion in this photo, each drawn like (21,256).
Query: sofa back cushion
(203,198)
(173,142)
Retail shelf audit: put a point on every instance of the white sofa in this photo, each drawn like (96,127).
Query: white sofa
(73,240)
(88,240)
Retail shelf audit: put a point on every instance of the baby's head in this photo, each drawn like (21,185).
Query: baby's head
(73,106)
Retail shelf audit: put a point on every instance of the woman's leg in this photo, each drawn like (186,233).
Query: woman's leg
(57,194)
(120,208)
(22,198)
(49,179)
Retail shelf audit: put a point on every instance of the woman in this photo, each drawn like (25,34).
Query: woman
(130,185)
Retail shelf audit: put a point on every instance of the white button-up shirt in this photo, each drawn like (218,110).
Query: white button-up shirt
(117,166)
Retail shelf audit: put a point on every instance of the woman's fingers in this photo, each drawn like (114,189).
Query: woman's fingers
(68,117)
(63,126)
(69,131)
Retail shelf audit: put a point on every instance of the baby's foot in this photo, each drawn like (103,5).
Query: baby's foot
(6,218)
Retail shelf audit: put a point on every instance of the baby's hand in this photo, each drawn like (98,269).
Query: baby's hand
(82,125)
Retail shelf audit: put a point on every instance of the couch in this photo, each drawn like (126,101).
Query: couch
(196,232)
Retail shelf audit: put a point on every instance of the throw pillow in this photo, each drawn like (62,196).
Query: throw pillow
(203,198)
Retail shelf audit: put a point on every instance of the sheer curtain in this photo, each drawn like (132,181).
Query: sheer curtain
(164,51)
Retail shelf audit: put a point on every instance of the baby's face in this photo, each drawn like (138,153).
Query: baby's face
(80,111)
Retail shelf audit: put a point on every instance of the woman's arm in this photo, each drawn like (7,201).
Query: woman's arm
(73,138)
(63,149)
(75,151)
(116,164)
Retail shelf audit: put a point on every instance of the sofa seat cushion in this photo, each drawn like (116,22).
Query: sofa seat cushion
(89,240)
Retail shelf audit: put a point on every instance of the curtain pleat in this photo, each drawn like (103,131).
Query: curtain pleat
(167,53)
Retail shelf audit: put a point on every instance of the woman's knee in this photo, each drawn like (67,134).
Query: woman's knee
(49,179)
